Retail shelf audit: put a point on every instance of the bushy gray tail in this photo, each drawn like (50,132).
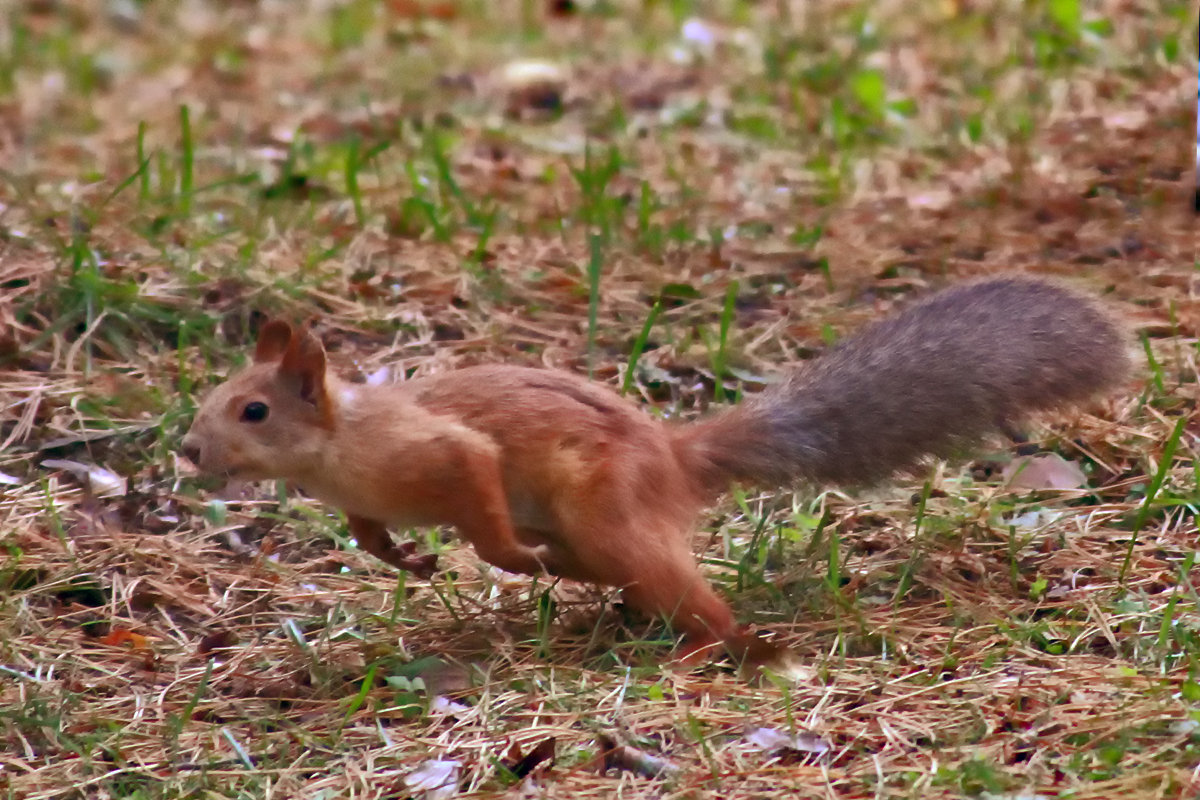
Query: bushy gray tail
(930,381)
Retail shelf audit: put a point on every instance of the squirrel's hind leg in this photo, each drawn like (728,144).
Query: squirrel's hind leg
(673,589)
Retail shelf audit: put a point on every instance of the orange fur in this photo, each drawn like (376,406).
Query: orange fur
(542,470)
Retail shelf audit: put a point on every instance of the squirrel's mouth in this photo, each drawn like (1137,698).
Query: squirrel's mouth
(223,473)
(228,483)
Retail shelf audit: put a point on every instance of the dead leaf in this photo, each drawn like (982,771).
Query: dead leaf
(631,759)
(522,765)
(216,640)
(119,636)
(411,10)
(532,84)
(786,664)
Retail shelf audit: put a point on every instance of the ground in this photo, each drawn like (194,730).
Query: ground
(679,199)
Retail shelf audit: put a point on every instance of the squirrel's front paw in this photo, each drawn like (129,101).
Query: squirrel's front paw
(422,566)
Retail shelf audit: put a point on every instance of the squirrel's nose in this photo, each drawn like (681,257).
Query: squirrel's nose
(191,451)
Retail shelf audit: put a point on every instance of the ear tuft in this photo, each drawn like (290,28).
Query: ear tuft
(304,360)
(274,339)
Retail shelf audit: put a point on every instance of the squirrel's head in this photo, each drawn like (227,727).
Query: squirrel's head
(271,419)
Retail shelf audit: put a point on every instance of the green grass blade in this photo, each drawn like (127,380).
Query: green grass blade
(1164,465)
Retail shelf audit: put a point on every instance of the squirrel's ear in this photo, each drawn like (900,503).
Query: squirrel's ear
(304,361)
(273,340)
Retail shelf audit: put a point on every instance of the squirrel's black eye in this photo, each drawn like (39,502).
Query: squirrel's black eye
(254,412)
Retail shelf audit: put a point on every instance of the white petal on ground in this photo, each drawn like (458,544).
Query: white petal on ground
(437,779)
(100,481)
(1043,471)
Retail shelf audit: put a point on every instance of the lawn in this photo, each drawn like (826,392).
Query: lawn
(677,199)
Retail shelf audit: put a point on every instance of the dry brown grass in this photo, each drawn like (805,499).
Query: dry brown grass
(163,644)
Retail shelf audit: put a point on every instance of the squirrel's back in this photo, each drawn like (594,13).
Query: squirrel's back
(928,381)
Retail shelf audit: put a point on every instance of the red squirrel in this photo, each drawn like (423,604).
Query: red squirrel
(542,470)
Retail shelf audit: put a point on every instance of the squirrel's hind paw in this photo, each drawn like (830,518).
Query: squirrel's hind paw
(746,648)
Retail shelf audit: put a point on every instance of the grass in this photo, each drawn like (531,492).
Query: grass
(719,189)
